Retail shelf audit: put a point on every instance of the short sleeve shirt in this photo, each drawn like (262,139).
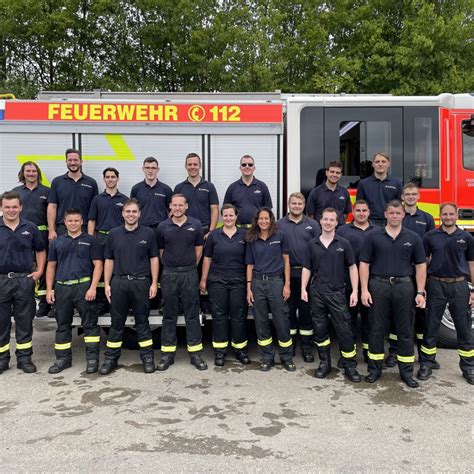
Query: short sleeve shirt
(74,256)
(267,255)
(227,253)
(322,197)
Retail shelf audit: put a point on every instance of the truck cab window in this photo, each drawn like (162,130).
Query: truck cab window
(468,144)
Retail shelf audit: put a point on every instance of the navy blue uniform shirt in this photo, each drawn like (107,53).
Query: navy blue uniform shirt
(18,247)
(228,254)
(131,250)
(154,201)
(179,242)
(420,222)
(297,235)
(248,199)
(378,193)
(267,255)
(322,197)
(74,256)
(106,210)
(70,194)
(392,257)
(355,236)
(200,199)
(34,203)
(450,253)
(328,265)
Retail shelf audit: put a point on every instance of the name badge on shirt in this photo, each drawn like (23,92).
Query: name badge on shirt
(388,186)
(257,191)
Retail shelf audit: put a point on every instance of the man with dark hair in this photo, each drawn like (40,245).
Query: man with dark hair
(34,204)
(131,279)
(21,246)
(330,194)
(379,189)
(420,222)
(74,269)
(153,196)
(180,241)
(356,232)
(203,202)
(390,257)
(299,230)
(248,194)
(73,190)
(450,252)
(325,262)
(105,214)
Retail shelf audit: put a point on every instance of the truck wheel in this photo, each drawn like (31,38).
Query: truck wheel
(447,332)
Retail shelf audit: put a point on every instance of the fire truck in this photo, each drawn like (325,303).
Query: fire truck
(292,137)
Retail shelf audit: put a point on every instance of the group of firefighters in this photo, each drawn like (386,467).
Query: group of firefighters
(390,266)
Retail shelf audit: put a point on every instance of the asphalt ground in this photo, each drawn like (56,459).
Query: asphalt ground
(230,419)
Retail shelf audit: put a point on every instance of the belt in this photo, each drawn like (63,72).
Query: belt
(105,232)
(42,227)
(297,267)
(13,275)
(261,276)
(393,280)
(448,279)
(133,277)
(181,269)
(74,282)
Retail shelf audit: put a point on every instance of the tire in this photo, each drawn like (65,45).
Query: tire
(447,332)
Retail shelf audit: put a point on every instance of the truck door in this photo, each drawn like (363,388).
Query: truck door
(354,134)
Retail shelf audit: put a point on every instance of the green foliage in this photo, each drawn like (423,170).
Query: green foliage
(362,46)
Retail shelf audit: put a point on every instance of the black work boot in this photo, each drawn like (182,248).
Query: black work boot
(324,365)
(424,373)
(26,365)
(92,366)
(352,374)
(469,376)
(219,360)
(60,365)
(4,365)
(243,357)
(108,366)
(165,363)
(148,365)
(198,362)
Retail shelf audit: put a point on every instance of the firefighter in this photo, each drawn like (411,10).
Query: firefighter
(299,230)
(330,194)
(180,241)
(420,222)
(105,214)
(203,202)
(355,233)
(268,288)
(223,276)
(20,246)
(73,190)
(390,256)
(379,189)
(130,278)
(74,269)
(325,262)
(152,195)
(34,204)
(450,252)
(248,194)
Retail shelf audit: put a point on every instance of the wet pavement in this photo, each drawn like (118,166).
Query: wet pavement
(234,418)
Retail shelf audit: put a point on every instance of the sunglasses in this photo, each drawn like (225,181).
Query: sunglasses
(246,165)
